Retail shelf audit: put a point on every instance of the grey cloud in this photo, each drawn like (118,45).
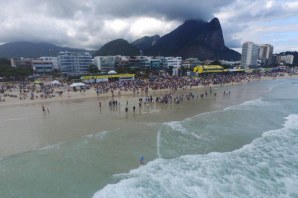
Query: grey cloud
(247,16)
(88,17)
(65,8)
(169,9)
(50,20)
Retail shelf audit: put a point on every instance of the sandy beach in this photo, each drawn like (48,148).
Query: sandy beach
(91,93)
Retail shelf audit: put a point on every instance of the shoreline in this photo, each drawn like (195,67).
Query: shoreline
(91,94)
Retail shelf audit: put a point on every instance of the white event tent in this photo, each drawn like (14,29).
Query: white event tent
(79,84)
(55,82)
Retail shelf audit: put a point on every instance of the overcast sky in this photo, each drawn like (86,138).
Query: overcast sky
(92,23)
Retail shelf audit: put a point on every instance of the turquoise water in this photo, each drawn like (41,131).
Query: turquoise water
(241,146)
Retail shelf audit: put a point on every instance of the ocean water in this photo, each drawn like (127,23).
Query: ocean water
(244,145)
(246,150)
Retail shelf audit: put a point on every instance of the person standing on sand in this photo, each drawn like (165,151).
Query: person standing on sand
(43,108)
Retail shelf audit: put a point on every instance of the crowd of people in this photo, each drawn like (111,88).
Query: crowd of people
(24,91)
(170,82)
(30,91)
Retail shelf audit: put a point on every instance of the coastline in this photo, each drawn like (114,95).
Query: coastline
(96,144)
(91,94)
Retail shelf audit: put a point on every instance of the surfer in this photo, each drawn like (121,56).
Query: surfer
(142,160)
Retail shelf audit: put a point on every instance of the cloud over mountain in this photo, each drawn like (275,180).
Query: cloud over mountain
(91,23)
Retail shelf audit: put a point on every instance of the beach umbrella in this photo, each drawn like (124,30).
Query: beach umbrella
(112,72)
(79,84)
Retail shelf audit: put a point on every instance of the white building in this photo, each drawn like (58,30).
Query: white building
(249,55)
(42,67)
(21,62)
(174,62)
(39,65)
(54,61)
(105,63)
(74,63)
(285,59)
(266,54)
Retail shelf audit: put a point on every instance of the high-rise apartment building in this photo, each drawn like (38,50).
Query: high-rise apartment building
(105,63)
(266,54)
(74,63)
(53,59)
(249,57)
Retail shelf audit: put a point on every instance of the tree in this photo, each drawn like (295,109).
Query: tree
(55,73)
(217,62)
(122,70)
(93,69)
(4,61)
(19,72)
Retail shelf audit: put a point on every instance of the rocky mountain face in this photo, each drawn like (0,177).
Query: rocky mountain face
(195,38)
(117,47)
(33,50)
(146,42)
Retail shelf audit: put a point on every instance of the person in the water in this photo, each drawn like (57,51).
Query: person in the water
(142,160)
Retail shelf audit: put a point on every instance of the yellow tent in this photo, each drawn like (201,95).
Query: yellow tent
(37,82)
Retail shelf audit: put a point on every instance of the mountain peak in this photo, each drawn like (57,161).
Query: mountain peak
(117,47)
(215,24)
(215,20)
(146,42)
(195,38)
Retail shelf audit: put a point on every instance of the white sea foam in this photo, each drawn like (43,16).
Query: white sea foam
(50,147)
(99,135)
(251,103)
(158,144)
(265,168)
(177,126)
(292,122)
